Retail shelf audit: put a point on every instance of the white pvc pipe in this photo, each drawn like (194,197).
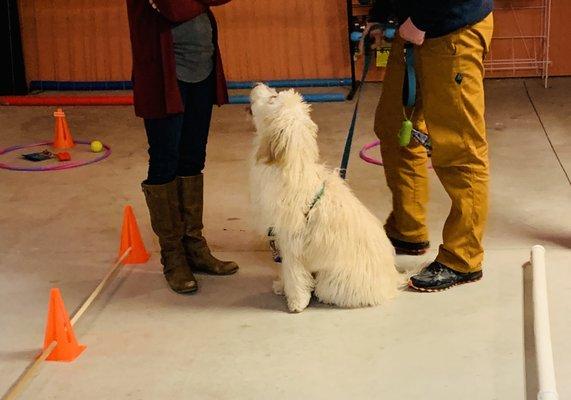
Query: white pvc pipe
(543,348)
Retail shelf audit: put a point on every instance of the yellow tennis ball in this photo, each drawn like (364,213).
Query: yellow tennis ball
(96,146)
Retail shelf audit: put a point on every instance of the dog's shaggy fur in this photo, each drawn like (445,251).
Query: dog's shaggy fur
(337,248)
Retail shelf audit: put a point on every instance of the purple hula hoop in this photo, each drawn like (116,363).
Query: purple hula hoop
(57,167)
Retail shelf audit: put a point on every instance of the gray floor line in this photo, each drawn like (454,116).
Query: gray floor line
(545,131)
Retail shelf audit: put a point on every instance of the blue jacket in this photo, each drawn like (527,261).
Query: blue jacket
(435,17)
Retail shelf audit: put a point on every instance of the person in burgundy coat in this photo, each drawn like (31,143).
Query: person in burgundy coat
(177,78)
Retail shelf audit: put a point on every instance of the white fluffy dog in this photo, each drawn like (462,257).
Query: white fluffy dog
(330,243)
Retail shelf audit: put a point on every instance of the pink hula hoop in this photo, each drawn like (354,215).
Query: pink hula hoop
(368,159)
(365,157)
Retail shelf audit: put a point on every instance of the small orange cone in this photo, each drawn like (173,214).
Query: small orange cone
(131,237)
(62,134)
(59,329)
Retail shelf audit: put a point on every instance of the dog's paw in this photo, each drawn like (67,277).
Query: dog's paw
(278,287)
(298,303)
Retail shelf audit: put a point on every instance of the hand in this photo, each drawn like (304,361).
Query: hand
(152,3)
(214,2)
(411,33)
(374,30)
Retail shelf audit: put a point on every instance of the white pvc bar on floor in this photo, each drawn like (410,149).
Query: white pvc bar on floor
(544,352)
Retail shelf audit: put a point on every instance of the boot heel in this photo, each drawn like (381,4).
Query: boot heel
(166,221)
(198,255)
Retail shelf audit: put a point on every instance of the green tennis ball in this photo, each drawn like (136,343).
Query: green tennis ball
(405,133)
(96,146)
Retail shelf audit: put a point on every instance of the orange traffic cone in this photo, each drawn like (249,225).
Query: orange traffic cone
(131,237)
(62,134)
(59,329)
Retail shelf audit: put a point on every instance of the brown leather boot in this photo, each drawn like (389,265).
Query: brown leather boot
(167,224)
(197,252)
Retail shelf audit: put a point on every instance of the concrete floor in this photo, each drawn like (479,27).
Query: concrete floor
(235,340)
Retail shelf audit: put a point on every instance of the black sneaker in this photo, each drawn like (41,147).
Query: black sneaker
(438,277)
(408,248)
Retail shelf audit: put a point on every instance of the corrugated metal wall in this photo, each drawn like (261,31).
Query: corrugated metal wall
(75,39)
(276,39)
(260,39)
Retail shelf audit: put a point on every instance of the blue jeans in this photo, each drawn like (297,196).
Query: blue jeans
(177,143)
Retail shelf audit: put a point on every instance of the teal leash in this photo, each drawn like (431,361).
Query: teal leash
(409,101)
(409,84)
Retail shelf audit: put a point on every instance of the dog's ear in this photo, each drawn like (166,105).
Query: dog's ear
(271,149)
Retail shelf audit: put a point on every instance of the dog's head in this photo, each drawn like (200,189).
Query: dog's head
(286,133)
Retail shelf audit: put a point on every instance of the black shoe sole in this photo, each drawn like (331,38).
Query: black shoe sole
(409,249)
(407,252)
(434,290)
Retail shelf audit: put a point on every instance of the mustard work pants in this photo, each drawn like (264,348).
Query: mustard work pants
(450,108)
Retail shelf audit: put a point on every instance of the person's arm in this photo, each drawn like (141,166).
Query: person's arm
(180,10)
(427,13)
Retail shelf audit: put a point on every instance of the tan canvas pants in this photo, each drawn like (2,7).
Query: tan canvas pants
(450,108)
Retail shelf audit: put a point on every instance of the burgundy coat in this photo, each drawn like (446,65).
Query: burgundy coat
(155,86)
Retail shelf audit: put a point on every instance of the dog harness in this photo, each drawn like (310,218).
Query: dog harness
(272,235)
(317,197)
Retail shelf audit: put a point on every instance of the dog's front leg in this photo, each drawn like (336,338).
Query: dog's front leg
(278,284)
(298,283)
